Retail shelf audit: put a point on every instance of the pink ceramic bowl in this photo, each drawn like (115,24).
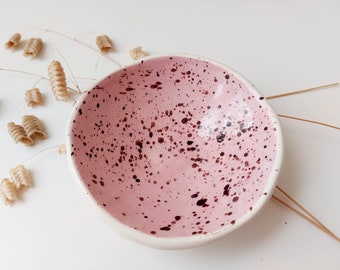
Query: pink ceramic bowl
(176,151)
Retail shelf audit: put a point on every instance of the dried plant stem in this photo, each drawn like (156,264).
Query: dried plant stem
(24,72)
(81,43)
(86,78)
(309,121)
(296,211)
(304,90)
(22,102)
(45,78)
(304,213)
(43,150)
(38,81)
(69,68)
(302,208)
(74,90)
(27,73)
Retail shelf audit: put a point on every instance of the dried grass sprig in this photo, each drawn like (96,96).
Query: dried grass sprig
(304,90)
(297,208)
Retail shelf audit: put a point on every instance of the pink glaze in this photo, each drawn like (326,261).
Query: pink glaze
(175,146)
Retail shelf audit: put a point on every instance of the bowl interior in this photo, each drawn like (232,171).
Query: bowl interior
(175,147)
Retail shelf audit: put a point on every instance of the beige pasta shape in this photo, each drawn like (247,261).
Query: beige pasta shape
(104,43)
(18,134)
(34,97)
(33,47)
(8,192)
(62,149)
(33,127)
(13,41)
(138,53)
(20,177)
(57,79)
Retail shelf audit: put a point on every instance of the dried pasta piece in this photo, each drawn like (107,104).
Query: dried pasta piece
(20,177)
(8,192)
(18,134)
(13,41)
(33,47)
(57,78)
(34,97)
(138,53)
(33,127)
(62,149)
(104,43)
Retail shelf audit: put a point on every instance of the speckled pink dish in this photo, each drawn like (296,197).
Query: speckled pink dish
(177,151)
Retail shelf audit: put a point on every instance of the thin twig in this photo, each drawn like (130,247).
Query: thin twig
(36,83)
(69,68)
(81,43)
(309,121)
(307,212)
(304,214)
(304,90)
(70,38)
(43,150)
(23,72)
(43,77)
(97,64)
(86,78)
(297,211)
(74,90)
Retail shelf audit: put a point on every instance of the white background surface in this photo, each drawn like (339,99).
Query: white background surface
(278,45)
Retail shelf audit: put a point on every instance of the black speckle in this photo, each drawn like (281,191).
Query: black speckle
(235,199)
(226,190)
(220,138)
(185,120)
(140,144)
(202,202)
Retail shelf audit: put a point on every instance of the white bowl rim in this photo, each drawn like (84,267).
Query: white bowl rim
(194,240)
